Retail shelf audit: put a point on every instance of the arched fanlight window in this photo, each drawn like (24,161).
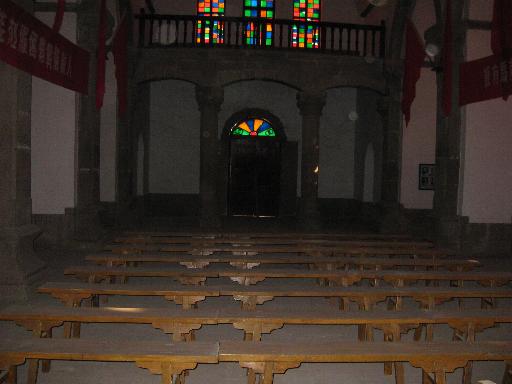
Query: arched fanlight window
(253,127)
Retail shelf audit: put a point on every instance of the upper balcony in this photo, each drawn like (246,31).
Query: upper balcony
(341,54)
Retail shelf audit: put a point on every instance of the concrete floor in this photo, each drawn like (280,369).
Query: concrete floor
(64,372)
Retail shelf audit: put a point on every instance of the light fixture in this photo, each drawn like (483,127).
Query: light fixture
(432,50)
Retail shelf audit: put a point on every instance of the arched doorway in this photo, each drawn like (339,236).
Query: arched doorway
(254,167)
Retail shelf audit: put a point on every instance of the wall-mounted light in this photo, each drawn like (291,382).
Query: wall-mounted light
(432,50)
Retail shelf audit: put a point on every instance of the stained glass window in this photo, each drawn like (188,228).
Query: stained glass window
(210,31)
(253,127)
(306,35)
(259,32)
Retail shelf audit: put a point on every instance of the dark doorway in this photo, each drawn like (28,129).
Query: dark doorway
(254,176)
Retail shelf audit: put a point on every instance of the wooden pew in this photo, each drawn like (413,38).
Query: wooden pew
(438,359)
(250,261)
(180,323)
(265,358)
(253,276)
(162,359)
(308,249)
(191,241)
(267,235)
(72,293)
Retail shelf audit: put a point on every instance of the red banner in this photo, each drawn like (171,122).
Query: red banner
(484,79)
(447,61)
(28,44)
(414,56)
(120,51)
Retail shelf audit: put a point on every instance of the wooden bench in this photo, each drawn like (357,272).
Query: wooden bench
(163,359)
(282,250)
(264,358)
(437,359)
(248,262)
(267,235)
(181,324)
(253,276)
(307,249)
(191,241)
(72,293)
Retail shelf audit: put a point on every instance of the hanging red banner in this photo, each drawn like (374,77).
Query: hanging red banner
(484,79)
(28,44)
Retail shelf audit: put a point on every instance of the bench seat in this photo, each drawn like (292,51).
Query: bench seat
(249,261)
(252,276)
(254,323)
(166,359)
(72,293)
(268,358)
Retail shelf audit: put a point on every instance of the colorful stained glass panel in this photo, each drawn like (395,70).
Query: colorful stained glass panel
(258,32)
(210,31)
(306,35)
(253,127)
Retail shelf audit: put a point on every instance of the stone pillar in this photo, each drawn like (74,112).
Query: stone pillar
(311,104)
(20,266)
(448,146)
(209,100)
(87,224)
(390,112)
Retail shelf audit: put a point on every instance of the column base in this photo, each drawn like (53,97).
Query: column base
(87,225)
(21,268)
(392,219)
(449,231)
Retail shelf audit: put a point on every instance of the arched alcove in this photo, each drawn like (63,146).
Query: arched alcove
(252,140)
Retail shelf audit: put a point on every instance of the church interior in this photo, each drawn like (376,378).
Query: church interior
(308,176)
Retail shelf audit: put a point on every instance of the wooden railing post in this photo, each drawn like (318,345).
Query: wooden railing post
(142,28)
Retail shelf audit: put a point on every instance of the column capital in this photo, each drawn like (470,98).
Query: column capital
(209,96)
(311,102)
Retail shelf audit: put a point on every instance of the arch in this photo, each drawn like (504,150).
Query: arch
(254,113)
(369,175)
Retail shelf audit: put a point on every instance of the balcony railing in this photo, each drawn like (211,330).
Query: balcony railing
(188,31)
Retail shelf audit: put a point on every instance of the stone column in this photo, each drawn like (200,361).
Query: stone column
(389,110)
(448,146)
(311,104)
(87,224)
(209,100)
(20,266)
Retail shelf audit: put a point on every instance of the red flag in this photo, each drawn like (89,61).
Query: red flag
(102,56)
(119,49)
(414,56)
(447,61)
(501,28)
(59,15)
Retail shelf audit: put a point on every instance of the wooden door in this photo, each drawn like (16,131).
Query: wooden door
(254,177)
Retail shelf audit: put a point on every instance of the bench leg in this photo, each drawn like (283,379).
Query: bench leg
(251,376)
(268,374)
(33,368)
(399,373)
(507,375)
(12,375)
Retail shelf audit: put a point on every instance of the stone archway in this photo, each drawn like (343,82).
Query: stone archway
(252,141)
